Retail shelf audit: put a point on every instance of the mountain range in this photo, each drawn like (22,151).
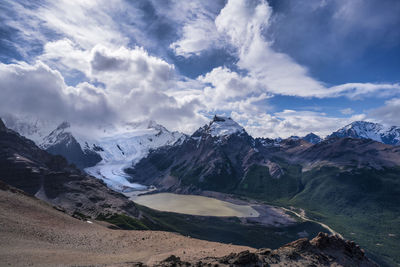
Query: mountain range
(104,151)
(52,179)
(221,154)
(369,130)
(32,178)
(119,146)
(346,180)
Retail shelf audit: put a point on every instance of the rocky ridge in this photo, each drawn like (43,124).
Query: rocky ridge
(323,250)
(370,130)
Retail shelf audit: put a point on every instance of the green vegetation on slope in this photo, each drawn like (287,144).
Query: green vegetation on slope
(363,205)
(258,183)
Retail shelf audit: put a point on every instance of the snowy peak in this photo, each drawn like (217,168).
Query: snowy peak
(59,135)
(29,127)
(362,129)
(370,130)
(154,125)
(223,126)
(64,125)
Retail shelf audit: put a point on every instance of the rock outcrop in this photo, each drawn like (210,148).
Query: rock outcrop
(323,250)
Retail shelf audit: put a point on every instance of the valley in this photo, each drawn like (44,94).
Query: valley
(222,185)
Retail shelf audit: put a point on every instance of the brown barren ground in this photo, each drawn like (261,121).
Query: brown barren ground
(32,233)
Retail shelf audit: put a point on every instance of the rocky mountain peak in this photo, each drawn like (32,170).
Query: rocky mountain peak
(154,125)
(370,130)
(58,134)
(220,118)
(222,126)
(2,125)
(64,125)
(363,126)
(312,138)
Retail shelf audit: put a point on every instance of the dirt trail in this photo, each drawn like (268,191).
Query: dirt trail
(34,233)
(303,216)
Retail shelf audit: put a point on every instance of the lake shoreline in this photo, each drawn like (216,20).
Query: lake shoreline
(267,215)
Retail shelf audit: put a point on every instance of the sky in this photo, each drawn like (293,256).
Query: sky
(278,67)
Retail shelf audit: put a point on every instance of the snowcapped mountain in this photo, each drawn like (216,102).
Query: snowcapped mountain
(61,141)
(103,151)
(220,127)
(370,130)
(121,150)
(30,127)
(215,157)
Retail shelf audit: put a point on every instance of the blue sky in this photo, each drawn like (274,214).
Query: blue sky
(279,67)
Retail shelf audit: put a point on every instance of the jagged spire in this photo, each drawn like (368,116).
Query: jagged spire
(2,125)
(218,118)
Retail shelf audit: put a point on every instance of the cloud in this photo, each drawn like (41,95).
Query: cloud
(347,111)
(85,23)
(241,24)
(227,88)
(134,87)
(38,89)
(94,60)
(291,122)
(120,69)
(66,56)
(387,114)
(359,90)
(123,70)
(198,35)
(102,62)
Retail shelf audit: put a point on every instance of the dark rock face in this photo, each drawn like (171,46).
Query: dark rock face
(50,178)
(2,125)
(203,161)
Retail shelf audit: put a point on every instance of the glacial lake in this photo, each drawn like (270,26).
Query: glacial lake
(194,205)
